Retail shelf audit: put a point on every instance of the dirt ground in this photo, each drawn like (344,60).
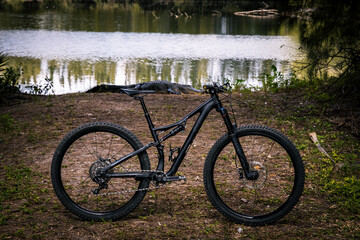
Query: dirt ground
(30,209)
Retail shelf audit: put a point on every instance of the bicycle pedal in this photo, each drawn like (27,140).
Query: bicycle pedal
(174,178)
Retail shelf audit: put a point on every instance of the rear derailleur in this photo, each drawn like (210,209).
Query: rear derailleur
(95,175)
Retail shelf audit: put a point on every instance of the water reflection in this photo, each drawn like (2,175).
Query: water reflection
(81,45)
(75,76)
(135,19)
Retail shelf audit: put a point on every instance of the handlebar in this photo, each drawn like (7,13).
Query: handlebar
(216,88)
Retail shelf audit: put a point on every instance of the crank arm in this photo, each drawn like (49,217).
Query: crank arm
(173,178)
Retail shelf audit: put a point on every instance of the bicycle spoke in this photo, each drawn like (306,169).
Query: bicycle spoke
(262,195)
(111,141)
(120,150)
(82,159)
(91,153)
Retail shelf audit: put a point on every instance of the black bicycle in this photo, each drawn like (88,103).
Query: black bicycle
(252,174)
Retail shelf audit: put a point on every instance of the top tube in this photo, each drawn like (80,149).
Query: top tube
(195,111)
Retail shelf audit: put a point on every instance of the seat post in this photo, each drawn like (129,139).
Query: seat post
(148,119)
(160,148)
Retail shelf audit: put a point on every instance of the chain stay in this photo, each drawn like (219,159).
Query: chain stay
(137,190)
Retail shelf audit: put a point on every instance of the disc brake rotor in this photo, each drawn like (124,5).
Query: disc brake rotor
(260,181)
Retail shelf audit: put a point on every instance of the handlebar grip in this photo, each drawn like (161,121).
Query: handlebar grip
(215,88)
(208,87)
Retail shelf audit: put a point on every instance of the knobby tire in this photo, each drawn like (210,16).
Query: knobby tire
(76,159)
(264,200)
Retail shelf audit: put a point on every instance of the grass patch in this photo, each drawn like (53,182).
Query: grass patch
(18,188)
(336,178)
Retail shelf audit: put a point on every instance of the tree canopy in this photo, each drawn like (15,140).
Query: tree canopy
(330,34)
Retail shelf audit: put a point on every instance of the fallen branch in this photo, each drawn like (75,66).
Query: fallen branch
(313,137)
(259,13)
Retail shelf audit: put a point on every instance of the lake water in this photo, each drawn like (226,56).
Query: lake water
(122,44)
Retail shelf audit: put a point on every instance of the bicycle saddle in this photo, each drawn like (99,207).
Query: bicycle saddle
(132,92)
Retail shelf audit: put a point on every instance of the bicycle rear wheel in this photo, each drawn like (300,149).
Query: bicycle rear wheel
(264,200)
(80,154)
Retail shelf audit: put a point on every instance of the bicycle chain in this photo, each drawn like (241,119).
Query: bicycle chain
(137,190)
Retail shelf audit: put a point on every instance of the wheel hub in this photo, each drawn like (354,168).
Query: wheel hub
(259,176)
(94,173)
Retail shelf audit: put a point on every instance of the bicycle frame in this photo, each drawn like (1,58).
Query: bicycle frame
(203,109)
(89,157)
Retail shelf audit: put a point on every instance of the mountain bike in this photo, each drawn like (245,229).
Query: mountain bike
(252,175)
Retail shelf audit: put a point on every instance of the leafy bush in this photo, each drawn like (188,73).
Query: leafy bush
(42,89)
(271,81)
(3,60)
(274,81)
(9,78)
(240,86)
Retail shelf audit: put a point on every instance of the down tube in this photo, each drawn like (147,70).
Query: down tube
(194,131)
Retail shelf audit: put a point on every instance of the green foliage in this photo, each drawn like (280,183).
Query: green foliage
(345,192)
(336,177)
(16,185)
(331,37)
(317,89)
(47,88)
(240,86)
(20,177)
(271,81)
(3,60)
(6,123)
(8,128)
(274,82)
(9,78)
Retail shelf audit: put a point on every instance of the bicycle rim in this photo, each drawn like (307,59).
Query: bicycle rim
(83,153)
(273,194)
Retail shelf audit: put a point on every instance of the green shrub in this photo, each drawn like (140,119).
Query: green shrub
(43,89)
(271,81)
(6,123)
(9,78)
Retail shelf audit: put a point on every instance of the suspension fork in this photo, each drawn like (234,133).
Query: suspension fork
(249,174)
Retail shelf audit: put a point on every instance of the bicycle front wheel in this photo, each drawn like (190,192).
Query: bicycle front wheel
(76,161)
(263,200)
